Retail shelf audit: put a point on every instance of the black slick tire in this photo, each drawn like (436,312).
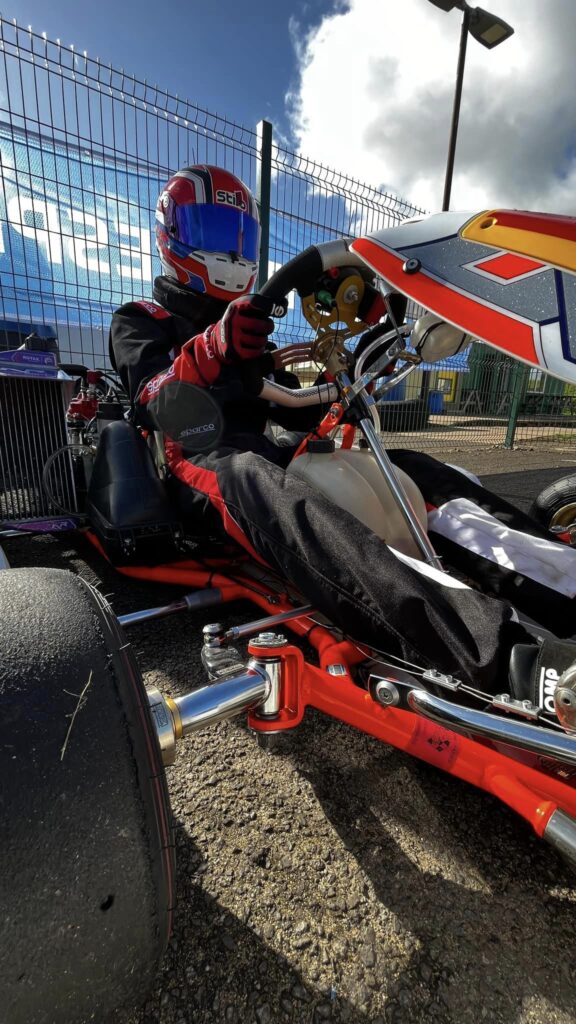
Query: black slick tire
(556,504)
(86,850)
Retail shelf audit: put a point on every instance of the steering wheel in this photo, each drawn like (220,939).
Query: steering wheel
(325,313)
(331,281)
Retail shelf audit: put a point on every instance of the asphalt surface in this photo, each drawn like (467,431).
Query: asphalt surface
(337,879)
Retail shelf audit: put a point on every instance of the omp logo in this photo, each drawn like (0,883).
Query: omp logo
(204,428)
(231,198)
(150,306)
(548,683)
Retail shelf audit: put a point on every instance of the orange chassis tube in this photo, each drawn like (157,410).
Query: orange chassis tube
(532,793)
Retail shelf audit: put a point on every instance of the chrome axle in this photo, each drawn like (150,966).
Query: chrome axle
(235,688)
(226,698)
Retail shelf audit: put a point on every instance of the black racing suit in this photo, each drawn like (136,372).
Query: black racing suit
(344,570)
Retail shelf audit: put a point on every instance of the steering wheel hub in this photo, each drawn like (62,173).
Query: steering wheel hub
(335,301)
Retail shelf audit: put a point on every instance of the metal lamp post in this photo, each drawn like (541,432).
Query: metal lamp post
(489,30)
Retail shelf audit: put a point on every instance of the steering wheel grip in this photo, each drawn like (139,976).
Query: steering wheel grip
(295,274)
(304,268)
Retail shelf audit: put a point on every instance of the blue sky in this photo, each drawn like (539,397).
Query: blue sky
(371,84)
(229,57)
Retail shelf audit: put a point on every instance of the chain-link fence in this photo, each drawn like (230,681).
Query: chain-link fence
(84,151)
(492,402)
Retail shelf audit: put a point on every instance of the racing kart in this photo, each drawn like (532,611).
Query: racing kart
(88,854)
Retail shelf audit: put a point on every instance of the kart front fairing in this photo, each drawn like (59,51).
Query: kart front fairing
(506,277)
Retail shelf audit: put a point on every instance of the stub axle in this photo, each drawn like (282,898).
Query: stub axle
(237,687)
(226,698)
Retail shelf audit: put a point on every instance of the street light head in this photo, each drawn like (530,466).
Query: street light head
(487,28)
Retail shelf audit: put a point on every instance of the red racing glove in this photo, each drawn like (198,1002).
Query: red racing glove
(242,332)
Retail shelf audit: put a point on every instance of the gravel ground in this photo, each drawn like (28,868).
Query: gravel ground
(337,879)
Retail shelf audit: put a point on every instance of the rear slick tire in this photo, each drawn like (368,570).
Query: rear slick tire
(86,850)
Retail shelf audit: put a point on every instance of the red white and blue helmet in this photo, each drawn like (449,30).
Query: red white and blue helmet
(208,232)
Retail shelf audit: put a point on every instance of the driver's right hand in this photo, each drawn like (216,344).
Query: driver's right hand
(242,333)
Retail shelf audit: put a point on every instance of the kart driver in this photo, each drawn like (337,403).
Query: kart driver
(203,326)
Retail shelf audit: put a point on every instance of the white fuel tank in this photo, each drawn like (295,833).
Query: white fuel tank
(352,479)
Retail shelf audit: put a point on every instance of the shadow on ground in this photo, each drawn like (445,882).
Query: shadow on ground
(490,905)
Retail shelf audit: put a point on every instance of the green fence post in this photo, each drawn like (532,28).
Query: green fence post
(263,179)
(520,377)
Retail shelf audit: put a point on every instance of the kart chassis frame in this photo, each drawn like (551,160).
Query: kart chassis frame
(531,769)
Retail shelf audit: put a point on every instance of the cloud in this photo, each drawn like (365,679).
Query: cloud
(374,99)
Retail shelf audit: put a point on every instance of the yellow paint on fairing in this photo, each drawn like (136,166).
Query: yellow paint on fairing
(485,228)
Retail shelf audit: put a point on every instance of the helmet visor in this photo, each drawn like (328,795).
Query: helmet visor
(218,229)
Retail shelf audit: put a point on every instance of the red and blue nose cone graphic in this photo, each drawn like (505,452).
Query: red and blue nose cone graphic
(504,276)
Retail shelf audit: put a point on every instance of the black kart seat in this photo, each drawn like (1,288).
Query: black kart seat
(127,504)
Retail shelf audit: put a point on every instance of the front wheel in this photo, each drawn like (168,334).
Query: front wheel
(86,851)
(555,506)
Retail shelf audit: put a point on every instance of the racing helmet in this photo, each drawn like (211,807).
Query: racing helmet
(208,232)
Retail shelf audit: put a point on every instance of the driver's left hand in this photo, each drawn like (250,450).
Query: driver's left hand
(292,354)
